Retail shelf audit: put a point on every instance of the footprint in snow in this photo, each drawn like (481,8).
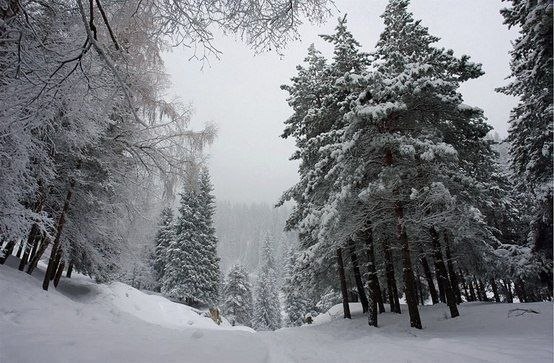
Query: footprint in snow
(190,322)
(197,334)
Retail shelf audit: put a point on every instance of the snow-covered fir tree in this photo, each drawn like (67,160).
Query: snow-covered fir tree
(191,269)
(164,238)
(211,274)
(237,297)
(181,278)
(267,307)
(531,122)
(295,303)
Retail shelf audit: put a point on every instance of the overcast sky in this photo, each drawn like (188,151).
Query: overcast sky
(240,92)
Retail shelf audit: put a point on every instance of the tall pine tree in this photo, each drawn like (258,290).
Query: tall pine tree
(531,121)
(267,308)
(164,237)
(296,304)
(192,266)
(237,305)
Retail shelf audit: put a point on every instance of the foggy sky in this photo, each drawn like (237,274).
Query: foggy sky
(240,93)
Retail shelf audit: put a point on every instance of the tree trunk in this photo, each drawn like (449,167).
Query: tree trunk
(57,261)
(45,241)
(358,276)
(429,278)
(471,290)
(450,264)
(442,291)
(477,289)
(32,240)
(495,290)
(391,280)
(483,290)
(420,290)
(8,250)
(442,274)
(384,295)
(20,249)
(464,285)
(35,234)
(409,281)
(69,270)
(520,290)
(59,229)
(508,291)
(343,287)
(59,273)
(374,288)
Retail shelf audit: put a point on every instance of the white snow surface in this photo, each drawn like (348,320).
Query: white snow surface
(86,322)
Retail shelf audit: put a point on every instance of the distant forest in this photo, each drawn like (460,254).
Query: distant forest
(241,229)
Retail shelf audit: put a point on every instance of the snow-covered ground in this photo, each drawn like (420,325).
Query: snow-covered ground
(85,322)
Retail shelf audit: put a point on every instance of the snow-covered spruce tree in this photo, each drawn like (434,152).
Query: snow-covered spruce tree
(267,307)
(237,297)
(191,270)
(209,264)
(531,122)
(296,304)
(182,278)
(164,237)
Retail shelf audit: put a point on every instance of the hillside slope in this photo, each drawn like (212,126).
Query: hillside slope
(85,322)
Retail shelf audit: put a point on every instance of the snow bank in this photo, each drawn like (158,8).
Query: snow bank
(85,322)
(157,309)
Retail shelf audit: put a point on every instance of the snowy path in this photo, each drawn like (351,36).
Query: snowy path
(85,322)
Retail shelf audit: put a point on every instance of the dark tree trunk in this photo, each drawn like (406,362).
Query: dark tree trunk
(374,288)
(453,278)
(34,237)
(20,250)
(520,290)
(429,278)
(478,289)
(409,281)
(69,270)
(392,290)
(389,267)
(483,290)
(508,291)
(8,250)
(442,274)
(59,273)
(442,291)
(471,290)
(36,243)
(56,242)
(45,241)
(32,240)
(495,290)
(420,291)
(358,276)
(464,285)
(343,287)
(57,261)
